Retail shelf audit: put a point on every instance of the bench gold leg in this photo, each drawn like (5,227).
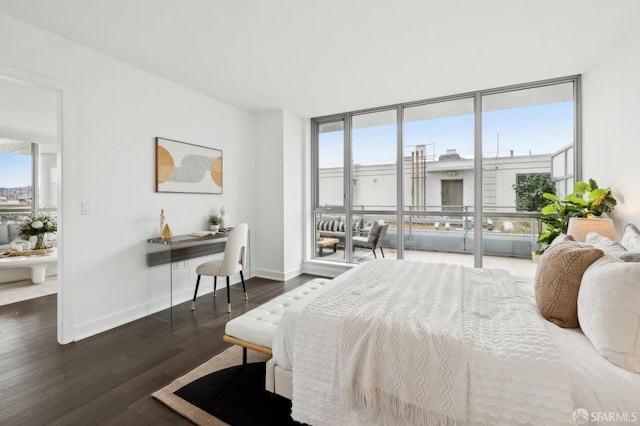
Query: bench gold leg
(246,344)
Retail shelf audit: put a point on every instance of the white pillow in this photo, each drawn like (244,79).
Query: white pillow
(631,237)
(608,246)
(611,247)
(609,310)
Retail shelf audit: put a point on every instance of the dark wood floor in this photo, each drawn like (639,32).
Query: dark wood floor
(108,378)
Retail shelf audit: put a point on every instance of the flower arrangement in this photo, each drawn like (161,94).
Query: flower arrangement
(39,226)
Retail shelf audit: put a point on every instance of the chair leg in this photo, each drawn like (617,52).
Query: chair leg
(195,294)
(246,296)
(381,252)
(228,296)
(215,283)
(374,253)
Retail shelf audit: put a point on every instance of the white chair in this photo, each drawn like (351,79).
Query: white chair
(233,261)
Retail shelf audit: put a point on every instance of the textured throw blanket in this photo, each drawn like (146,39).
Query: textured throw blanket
(401,342)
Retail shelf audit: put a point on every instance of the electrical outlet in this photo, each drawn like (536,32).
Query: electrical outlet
(87,208)
(176,265)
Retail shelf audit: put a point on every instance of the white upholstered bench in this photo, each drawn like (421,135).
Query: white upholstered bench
(256,328)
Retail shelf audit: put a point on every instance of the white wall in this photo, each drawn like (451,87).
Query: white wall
(279,187)
(112,112)
(611,139)
(269,197)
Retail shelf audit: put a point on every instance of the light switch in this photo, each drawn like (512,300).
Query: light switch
(87,208)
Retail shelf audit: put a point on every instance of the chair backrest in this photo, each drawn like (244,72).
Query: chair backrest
(374,231)
(235,252)
(381,235)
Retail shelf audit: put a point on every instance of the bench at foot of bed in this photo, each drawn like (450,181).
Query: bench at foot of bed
(256,328)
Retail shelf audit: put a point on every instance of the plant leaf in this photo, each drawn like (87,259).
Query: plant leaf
(580,187)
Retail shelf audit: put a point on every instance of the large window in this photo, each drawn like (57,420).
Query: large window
(445,171)
(28,179)
(16,180)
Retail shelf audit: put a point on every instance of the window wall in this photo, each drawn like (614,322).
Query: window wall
(525,131)
(446,170)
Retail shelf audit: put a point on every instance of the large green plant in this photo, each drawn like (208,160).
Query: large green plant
(586,200)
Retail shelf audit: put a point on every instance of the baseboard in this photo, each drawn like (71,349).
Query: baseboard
(293,273)
(325,269)
(107,322)
(139,311)
(270,275)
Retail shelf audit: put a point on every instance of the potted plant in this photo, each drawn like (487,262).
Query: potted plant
(556,215)
(214,222)
(530,197)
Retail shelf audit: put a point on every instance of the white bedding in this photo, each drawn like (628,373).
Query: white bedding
(597,385)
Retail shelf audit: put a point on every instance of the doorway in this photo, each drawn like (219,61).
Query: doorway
(30,115)
(452,196)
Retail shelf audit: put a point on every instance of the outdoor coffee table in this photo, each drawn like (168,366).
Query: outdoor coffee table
(37,263)
(326,242)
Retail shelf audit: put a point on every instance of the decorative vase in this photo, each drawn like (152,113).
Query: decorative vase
(40,242)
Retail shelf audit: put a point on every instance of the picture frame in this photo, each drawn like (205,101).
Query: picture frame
(187,168)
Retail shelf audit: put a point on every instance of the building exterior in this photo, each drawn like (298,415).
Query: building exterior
(444,183)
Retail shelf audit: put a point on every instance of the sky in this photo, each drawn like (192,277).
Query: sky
(15,170)
(539,129)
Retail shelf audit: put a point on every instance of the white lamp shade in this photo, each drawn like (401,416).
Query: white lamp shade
(579,227)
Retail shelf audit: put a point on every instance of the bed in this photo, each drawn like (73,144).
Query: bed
(404,342)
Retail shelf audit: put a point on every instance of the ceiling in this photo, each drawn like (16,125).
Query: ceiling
(314,58)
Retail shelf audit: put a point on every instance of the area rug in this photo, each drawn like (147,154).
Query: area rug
(222,391)
(18,291)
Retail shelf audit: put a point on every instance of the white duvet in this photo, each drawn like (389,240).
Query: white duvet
(582,378)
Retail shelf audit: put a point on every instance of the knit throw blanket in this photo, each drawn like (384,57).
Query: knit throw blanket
(405,342)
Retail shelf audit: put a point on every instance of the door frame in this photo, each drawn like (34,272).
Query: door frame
(60,89)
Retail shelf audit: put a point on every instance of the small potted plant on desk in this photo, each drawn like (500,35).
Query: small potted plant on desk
(214,222)
(557,214)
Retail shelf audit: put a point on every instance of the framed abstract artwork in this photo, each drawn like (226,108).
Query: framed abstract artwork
(188,168)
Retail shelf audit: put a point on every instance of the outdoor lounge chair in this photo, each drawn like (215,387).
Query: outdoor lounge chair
(375,238)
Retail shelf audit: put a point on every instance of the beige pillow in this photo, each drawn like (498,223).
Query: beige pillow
(609,310)
(558,277)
